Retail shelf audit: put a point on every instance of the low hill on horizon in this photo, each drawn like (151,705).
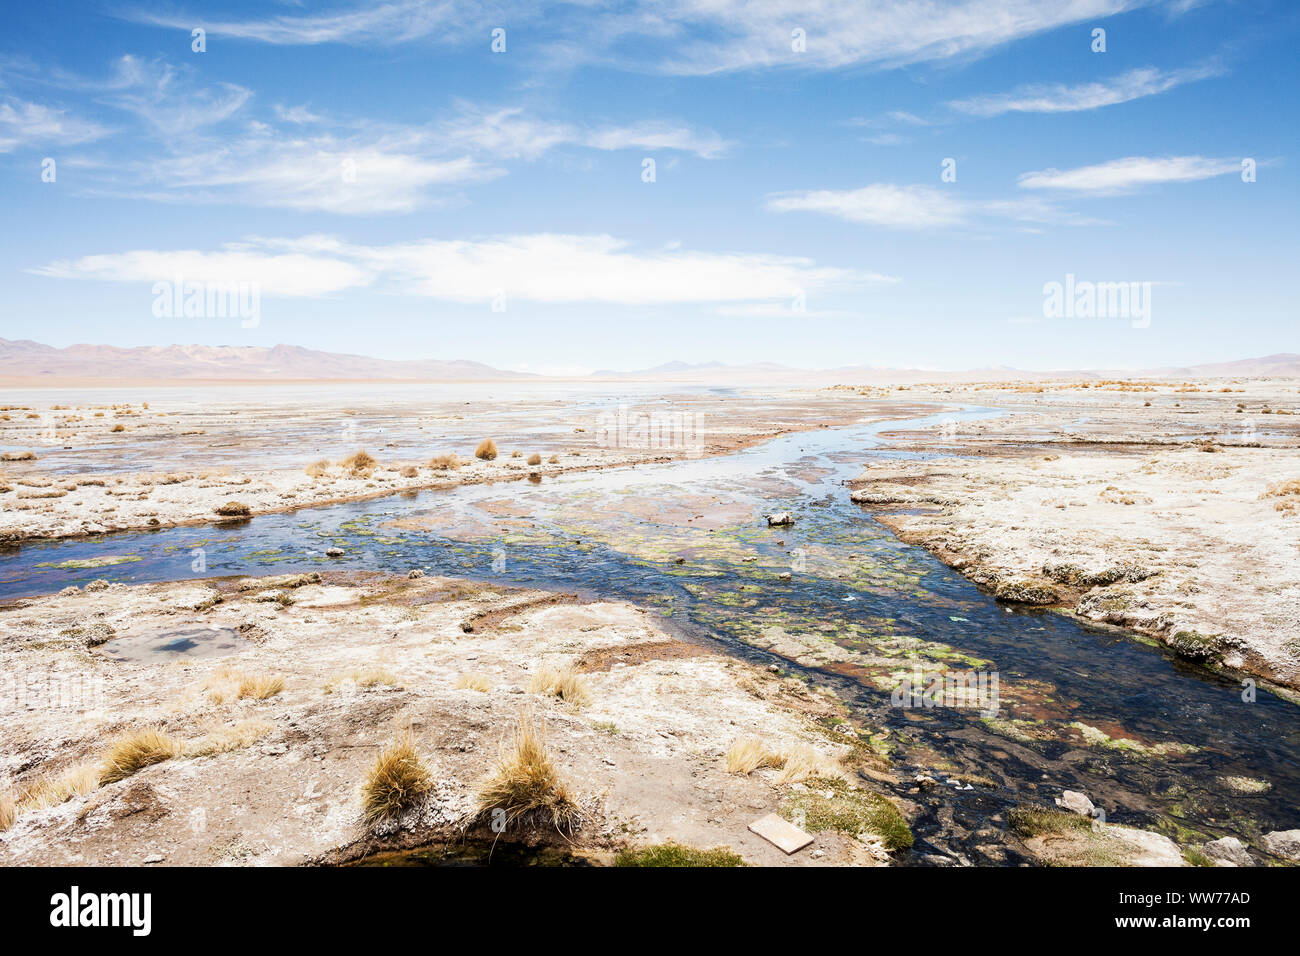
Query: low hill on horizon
(27,363)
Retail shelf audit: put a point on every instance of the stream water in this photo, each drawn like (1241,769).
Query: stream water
(835,598)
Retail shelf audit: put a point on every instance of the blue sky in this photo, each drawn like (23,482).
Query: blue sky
(392,186)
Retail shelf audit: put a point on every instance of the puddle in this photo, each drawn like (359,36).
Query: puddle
(180,643)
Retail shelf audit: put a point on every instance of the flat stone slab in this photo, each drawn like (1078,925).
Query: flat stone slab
(785,836)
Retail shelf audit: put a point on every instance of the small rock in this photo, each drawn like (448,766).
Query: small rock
(68,591)
(154,858)
(333,552)
(1024,592)
(784,575)
(780,518)
(414,573)
(1283,843)
(1076,802)
(1228,850)
(98,633)
(99,584)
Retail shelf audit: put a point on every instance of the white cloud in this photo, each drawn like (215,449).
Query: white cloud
(297,114)
(361,174)
(657,135)
(1058,98)
(544,268)
(745,34)
(168,100)
(740,34)
(510,133)
(212,147)
(880,204)
(888,139)
(25,124)
(1133,172)
(290,274)
(918,207)
(385,23)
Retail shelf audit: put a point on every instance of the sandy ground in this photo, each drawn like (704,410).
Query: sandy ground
(645,755)
(1157,509)
(78,469)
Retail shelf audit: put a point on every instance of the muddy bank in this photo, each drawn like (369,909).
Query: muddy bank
(1169,510)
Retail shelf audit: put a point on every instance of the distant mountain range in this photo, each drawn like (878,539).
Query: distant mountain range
(30,362)
(27,363)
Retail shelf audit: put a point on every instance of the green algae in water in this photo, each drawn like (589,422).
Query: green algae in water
(86,563)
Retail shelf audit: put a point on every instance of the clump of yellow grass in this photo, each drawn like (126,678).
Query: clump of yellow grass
(51,791)
(526,790)
(133,752)
(396,781)
(225,739)
(225,684)
(359,463)
(479,682)
(562,682)
(749,754)
(486,450)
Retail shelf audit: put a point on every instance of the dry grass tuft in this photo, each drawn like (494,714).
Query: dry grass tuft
(359,464)
(526,788)
(396,781)
(318,468)
(1289,493)
(225,739)
(225,684)
(234,509)
(803,762)
(410,471)
(478,682)
(133,752)
(748,754)
(444,462)
(534,459)
(8,813)
(487,450)
(361,677)
(562,682)
(51,791)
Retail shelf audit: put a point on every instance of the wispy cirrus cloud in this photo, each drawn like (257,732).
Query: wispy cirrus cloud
(24,123)
(1061,98)
(690,37)
(512,133)
(1128,174)
(215,146)
(544,268)
(915,207)
(397,21)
